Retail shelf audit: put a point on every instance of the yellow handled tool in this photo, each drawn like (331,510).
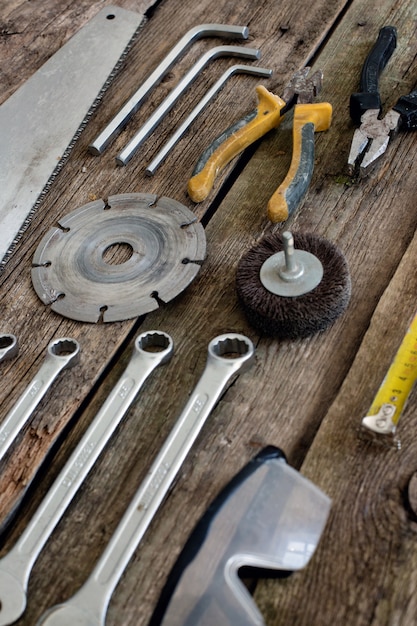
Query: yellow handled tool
(308,119)
(235,139)
(387,406)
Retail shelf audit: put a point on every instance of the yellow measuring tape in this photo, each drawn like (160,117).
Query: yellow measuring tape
(392,395)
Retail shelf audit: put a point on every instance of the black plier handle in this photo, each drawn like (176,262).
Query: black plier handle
(368,97)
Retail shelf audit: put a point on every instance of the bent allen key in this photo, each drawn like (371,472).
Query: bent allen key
(227,355)
(132,105)
(151,349)
(61,354)
(166,105)
(371,139)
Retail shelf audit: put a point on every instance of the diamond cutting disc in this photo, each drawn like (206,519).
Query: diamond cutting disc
(74,272)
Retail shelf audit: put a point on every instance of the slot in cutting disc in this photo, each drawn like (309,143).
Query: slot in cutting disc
(74,273)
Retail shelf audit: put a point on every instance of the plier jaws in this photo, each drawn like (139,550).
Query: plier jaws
(371,140)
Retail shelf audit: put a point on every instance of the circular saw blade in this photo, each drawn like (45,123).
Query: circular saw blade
(71,271)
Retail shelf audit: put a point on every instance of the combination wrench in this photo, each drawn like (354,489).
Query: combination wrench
(151,349)
(227,355)
(61,354)
(8,346)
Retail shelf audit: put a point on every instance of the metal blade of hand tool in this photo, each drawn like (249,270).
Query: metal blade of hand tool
(41,120)
(165,243)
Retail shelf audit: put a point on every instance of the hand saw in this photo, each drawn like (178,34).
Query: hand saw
(41,120)
(268,518)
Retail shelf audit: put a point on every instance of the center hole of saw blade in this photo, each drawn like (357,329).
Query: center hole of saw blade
(118,253)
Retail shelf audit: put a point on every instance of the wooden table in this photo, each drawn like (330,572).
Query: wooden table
(306,396)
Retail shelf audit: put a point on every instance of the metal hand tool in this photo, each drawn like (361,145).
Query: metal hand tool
(308,119)
(269,517)
(233,51)
(70,271)
(388,404)
(61,354)
(176,136)
(8,346)
(227,355)
(151,349)
(371,139)
(132,105)
(42,119)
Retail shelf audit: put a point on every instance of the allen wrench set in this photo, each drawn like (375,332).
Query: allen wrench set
(120,120)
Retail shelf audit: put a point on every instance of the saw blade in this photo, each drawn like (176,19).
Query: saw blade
(72,273)
(41,120)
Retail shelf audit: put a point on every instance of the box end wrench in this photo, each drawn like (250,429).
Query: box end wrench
(151,349)
(9,346)
(228,354)
(61,354)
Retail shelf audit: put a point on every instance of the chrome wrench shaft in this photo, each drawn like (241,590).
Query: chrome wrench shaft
(227,355)
(166,105)
(61,354)
(16,565)
(132,105)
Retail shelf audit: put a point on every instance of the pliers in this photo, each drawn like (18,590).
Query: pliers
(309,118)
(371,139)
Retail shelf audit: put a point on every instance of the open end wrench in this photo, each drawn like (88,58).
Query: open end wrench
(227,355)
(61,354)
(8,346)
(132,105)
(151,349)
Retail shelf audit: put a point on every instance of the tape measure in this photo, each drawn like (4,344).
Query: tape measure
(386,409)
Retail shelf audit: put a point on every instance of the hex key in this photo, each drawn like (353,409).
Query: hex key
(235,51)
(132,105)
(176,136)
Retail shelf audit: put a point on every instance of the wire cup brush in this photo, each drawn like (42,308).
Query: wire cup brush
(293,285)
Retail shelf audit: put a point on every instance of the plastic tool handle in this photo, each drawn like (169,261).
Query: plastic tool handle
(268,518)
(369,97)
(407,108)
(233,140)
(308,119)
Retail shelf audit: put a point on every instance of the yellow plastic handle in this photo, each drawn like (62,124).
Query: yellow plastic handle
(268,116)
(308,119)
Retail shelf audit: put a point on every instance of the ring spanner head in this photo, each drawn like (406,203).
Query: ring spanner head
(8,346)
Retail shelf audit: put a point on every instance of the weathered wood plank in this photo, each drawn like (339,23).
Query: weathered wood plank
(85,177)
(284,398)
(364,569)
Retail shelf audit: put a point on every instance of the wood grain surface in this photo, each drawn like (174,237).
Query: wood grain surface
(306,396)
